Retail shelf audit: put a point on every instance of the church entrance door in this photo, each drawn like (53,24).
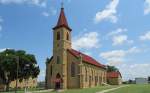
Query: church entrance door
(58,81)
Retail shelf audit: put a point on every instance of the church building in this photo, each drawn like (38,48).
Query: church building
(69,68)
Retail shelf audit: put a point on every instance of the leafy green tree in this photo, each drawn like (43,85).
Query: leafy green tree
(11,59)
(111,68)
(149,79)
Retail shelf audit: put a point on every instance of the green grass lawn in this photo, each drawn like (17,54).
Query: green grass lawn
(127,89)
(22,90)
(86,90)
(133,89)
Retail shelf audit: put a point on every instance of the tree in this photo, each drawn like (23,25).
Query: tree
(111,68)
(149,78)
(27,66)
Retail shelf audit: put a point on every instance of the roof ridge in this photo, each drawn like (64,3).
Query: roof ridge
(86,58)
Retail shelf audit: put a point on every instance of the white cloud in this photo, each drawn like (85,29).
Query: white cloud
(116,57)
(86,41)
(146,36)
(131,71)
(109,13)
(117,31)
(45,14)
(3,49)
(121,39)
(147,7)
(134,50)
(41,3)
(118,38)
(51,12)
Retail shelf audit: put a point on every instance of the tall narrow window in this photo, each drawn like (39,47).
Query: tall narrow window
(67,36)
(58,60)
(92,75)
(51,70)
(99,79)
(73,69)
(85,74)
(58,35)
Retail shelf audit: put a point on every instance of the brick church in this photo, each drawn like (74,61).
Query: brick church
(69,68)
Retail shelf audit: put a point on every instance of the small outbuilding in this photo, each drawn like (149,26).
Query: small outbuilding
(114,78)
(141,80)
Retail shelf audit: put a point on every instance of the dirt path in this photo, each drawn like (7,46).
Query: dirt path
(49,90)
(108,90)
(41,91)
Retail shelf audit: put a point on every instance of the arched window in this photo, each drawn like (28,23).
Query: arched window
(67,36)
(58,35)
(58,60)
(58,76)
(73,69)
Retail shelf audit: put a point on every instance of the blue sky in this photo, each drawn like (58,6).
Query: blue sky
(114,32)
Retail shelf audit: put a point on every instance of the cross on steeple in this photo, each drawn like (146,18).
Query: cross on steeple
(62,4)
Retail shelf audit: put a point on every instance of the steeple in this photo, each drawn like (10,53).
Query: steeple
(62,21)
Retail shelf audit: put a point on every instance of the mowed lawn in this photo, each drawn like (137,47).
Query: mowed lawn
(86,90)
(128,89)
(133,89)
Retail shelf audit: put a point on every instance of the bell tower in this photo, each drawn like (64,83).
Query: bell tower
(61,42)
(62,33)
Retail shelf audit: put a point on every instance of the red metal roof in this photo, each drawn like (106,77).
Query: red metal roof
(113,74)
(62,21)
(86,58)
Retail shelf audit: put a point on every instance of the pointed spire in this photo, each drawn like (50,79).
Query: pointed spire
(62,21)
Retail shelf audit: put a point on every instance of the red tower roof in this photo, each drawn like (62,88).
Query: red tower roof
(62,21)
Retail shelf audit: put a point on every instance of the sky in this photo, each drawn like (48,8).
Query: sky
(114,32)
